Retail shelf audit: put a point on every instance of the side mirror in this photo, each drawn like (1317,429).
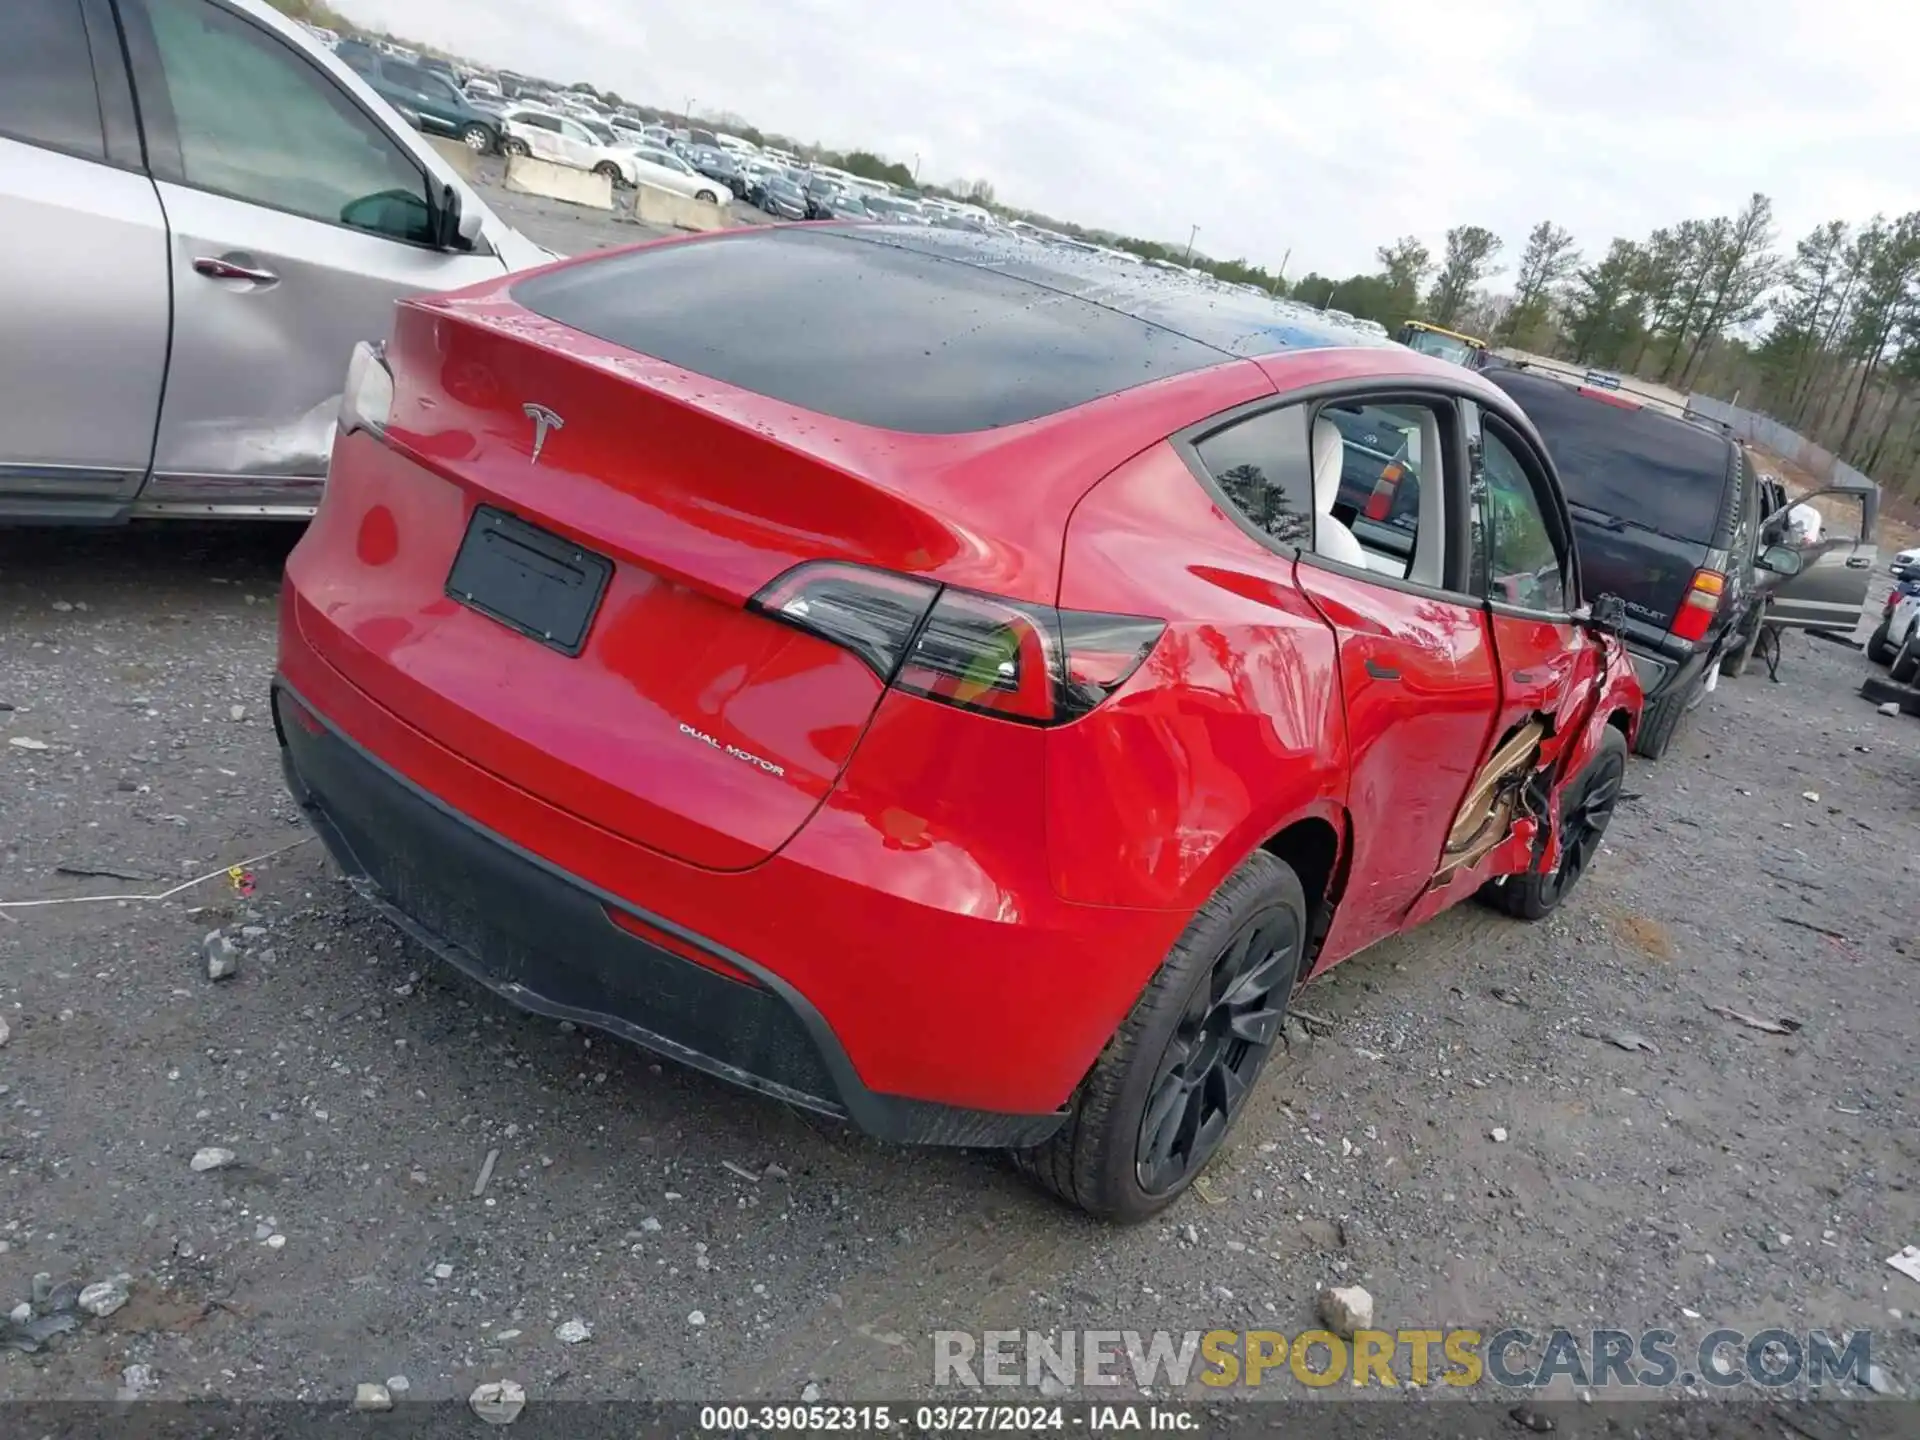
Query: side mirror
(1782,560)
(453,228)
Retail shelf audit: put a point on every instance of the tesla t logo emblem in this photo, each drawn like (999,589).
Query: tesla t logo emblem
(543,421)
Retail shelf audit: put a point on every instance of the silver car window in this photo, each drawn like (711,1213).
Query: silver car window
(47,92)
(257,122)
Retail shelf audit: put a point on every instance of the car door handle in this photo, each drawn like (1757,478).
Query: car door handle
(1859,562)
(214,268)
(1381,672)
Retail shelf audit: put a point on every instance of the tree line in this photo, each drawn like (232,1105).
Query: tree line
(1824,336)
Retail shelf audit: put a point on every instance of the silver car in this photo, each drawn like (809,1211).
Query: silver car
(194,232)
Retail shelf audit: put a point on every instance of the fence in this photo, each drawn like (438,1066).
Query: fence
(1770,434)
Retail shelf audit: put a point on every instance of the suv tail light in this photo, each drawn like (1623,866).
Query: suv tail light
(1008,658)
(1609,397)
(1702,603)
(1380,502)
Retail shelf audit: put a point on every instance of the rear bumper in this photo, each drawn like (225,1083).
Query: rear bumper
(1660,673)
(546,940)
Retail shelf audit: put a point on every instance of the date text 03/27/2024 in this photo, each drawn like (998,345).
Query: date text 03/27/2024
(945,1419)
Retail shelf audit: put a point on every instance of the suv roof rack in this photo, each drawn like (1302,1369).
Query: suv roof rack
(1610,388)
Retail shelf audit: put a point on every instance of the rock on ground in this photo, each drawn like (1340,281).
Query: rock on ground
(498,1402)
(1345,1309)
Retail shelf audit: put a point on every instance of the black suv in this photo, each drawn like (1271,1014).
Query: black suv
(1668,516)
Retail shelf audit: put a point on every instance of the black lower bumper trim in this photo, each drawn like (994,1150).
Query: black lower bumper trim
(542,939)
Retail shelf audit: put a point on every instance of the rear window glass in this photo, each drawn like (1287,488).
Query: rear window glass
(1637,464)
(871,333)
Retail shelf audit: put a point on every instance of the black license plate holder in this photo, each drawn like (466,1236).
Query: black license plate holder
(529,579)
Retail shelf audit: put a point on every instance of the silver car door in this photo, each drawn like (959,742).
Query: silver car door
(1830,592)
(576,145)
(83,270)
(297,219)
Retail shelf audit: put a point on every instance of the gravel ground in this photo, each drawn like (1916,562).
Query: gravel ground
(720,1245)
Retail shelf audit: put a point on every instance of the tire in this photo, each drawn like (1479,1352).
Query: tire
(1733,664)
(477,138)
(1661,722)
(1247,940)
(1906,660)
(611,171)
(1878,650)
(1586,809)
(706,195)
(512,146)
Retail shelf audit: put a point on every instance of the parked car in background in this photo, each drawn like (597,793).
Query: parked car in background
(442,106)
(668,171)
(1671,517)
(1897,616)
(780,196)
(892,208)
(180,313)
(838,204)
(1087,689)
(565,140)
(1906,565)
(717,164)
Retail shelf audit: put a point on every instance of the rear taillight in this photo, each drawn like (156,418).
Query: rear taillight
(1702,603)
(366,403)
(1008,658)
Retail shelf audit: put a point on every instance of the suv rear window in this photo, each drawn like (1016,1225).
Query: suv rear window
(1637,464)
(871,333)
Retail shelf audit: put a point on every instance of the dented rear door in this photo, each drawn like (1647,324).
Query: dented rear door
(1547,665)
(296,221)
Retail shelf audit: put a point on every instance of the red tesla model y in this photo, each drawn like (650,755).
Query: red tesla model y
(944,681)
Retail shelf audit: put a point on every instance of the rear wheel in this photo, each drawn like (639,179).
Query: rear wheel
(1878,650)
(1586,809)
(1661,721)
(512,146)
(477,138)
(706,195)
(1906,660)
(1174,1078)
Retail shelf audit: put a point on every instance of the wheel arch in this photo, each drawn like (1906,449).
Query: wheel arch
(1312,846)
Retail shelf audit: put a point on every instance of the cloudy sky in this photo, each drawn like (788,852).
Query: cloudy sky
(1320,127)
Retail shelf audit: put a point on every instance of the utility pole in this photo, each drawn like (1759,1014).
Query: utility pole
(1190,234)
(689,112)
(1281,278)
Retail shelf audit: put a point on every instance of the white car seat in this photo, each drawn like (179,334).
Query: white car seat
(1330,537)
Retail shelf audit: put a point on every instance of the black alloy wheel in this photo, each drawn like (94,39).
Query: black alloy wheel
(1175,1077)
(1584,817)
(1219,1044)
(1586,809)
